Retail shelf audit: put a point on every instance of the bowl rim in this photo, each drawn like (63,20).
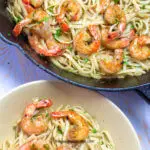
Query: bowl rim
(35,83)
(4,39)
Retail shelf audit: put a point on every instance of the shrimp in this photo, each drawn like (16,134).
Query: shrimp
(72,10)
(34,145)
(38,125)
(103,5)
(51,48)
(113,15)
(35,3)
(114,65)
(84,43)
(36,15)
(113,44)
(140,47)
(63,148)
(28,8)
(80,130)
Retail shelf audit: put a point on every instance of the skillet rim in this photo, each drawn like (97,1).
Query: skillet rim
(4,39)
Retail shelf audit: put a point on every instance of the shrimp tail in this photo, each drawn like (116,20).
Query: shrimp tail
(59,114)
(26,2)
(44,103)
(19,26)
(35,44)
(114,35)
(29,8)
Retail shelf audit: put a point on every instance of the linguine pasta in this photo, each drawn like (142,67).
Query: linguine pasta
(56,135)
(137,15)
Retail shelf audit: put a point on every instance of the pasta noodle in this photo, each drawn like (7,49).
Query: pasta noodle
(56,135)
(137,15)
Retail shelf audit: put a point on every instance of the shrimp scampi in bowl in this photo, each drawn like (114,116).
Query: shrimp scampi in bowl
(75,34)
(42,127)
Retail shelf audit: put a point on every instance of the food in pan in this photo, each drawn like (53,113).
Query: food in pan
(92,38)
(66,128)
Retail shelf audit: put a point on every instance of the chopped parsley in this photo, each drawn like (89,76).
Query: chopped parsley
(59,131)
(47,115)
(132,26)
(57,34)
(50,9)
(45,19)
(17,19)
(71,109)
(125,62)
(116,1)
(143,7)
(86,60)
(70,48)
(8,34)
(116,21)
(125,59)
(101,142)
(94,130)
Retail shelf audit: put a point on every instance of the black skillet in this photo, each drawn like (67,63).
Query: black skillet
(140,84)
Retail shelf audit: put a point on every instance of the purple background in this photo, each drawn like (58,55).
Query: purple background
(15,70)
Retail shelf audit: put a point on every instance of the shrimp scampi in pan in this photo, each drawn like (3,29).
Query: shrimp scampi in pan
(75,34)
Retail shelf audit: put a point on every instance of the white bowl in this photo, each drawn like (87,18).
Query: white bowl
(108,115)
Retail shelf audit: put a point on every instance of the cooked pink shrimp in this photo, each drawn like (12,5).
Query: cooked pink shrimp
(103,5)
(72,10)
(114,65)
(51,48)
(80,130)
(113,44)
(35,145)
(114,14)
(140,47)
(63,148)
(37,125)
(35,3)
(84,43)
(36,15)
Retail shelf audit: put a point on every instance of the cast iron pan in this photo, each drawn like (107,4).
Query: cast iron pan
(129,83)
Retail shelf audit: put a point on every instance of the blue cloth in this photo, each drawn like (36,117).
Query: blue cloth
(15,70)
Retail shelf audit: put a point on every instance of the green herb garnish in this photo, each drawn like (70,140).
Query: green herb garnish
(47,115)
(70,48)
(57,34)
(71,109)
(50,9)
(45,19)
(94,130)
(101,142)
(17,19)
(8,34)
(125,59)
(59,131)
(86,60)
(116,21)
(125,62)
(132,26)
(143,7)
(116,1)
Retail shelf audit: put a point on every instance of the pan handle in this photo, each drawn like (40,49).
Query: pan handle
(144,92)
